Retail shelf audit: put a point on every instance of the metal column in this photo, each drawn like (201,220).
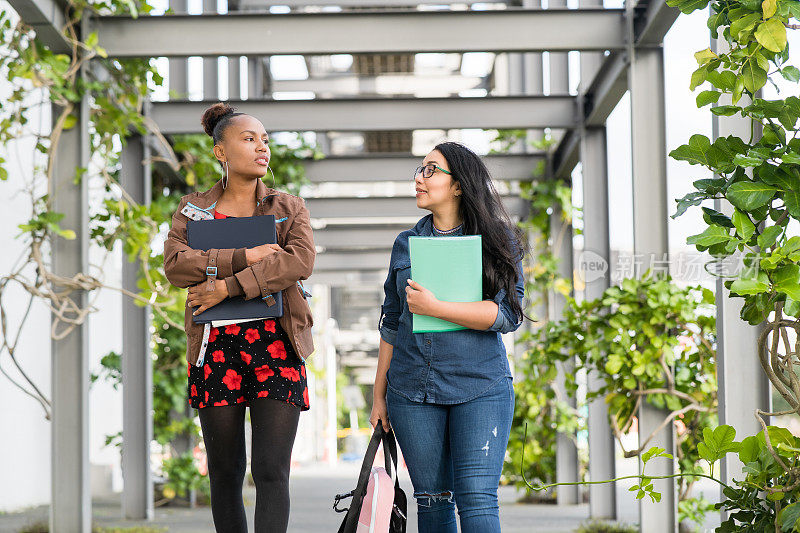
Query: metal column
(71,506)
(648,134)
(255,78)
(210,65)
(743,385)
(137,365)
(594,164)
(234,80)
(595,265)
(178,66)
(566,448)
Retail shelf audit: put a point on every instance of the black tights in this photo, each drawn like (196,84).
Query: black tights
(274,425)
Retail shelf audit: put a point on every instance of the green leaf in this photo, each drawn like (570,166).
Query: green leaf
(722,110)
(769,236)
(791,157)
(691,199)
(712,235)
(738,89)
(768,7)
(794,9)
(772,35)
(749,449)
(698,77)
(707,97)
(748,195)
(791,73)
(743,25)
(704,56)
(752,285)
(792,199)
(753,76)
(715,217)
(744,226)
(787,280)
(788,516)
(70,122)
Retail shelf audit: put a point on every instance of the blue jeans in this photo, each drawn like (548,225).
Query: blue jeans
(455,452)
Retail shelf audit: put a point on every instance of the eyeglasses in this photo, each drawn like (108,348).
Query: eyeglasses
(429,169)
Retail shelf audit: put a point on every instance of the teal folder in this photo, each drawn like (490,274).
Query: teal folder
(452,269)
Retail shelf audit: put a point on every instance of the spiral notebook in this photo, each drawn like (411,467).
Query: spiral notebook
(452,269)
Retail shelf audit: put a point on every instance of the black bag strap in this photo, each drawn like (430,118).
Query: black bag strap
(351,518)
(390,456)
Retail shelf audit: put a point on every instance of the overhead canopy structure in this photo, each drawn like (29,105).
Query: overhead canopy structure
(621,50)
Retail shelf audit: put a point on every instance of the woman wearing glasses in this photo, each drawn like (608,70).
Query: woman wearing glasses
(448,395)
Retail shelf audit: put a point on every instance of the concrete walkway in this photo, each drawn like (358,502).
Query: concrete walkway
(313,488)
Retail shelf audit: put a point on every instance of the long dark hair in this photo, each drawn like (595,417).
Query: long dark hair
(483,214)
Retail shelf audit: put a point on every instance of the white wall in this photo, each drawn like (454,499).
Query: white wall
(25,446)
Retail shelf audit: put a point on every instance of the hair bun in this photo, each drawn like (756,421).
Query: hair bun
(214,114)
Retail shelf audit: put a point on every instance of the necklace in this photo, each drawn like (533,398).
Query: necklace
(448,231)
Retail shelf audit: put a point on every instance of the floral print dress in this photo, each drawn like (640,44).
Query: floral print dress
(245,361)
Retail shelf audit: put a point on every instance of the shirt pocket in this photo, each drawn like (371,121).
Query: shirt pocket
(402,273)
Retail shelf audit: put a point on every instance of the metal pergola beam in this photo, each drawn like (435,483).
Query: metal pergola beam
(392,167)
(437,84)
(46,17)
(399,206)
(349,238)
(257,4)
(365,114)
(512,30)
(351,261)
(653,21)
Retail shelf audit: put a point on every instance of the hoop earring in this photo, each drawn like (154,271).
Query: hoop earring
(273,176)
(225,174)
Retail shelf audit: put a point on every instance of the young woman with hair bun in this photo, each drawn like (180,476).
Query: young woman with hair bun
(259,363)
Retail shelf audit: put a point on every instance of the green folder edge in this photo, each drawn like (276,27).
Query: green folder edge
(429,324)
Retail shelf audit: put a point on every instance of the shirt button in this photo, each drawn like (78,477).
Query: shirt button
(428,341)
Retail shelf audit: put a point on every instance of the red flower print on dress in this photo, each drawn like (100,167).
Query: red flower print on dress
(189,370)
(194,390)
(218,356)
(232,329)
(269,325)
(305,397)
(232,380)
(303,371)
(241,399)
(206,396)
(246,357)
(201,405)
(223,402)
(206,371)
(290,373)
(263,393)
(263,372)
(251,335)
(277,350)
(212,334)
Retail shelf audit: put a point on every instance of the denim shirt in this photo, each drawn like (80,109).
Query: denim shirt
(443,367)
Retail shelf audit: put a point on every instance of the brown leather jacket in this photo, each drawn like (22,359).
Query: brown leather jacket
(280,271)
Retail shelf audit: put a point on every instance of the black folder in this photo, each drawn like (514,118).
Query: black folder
(235,232)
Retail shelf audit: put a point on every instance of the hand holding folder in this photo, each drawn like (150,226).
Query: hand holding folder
(452,269)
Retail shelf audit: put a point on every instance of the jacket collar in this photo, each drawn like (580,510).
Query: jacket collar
(424,227)
(208,199)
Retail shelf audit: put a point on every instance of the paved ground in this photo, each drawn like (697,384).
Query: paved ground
(313,489)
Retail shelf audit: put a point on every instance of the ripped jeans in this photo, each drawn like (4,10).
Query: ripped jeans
(455,455)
